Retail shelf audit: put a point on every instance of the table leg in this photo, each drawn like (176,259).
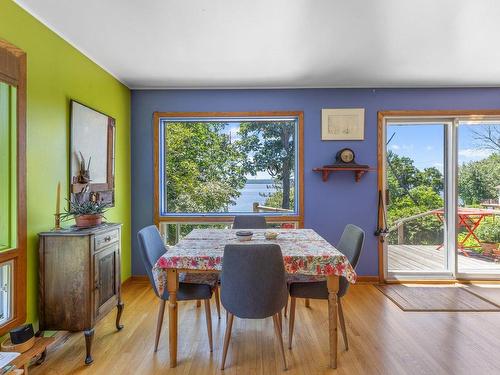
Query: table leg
(172,285)
(332,282)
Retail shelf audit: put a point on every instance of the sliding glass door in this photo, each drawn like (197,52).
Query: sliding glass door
(416,185)
(478,220)
(441,177)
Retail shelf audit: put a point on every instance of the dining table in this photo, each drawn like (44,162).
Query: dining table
(304,251)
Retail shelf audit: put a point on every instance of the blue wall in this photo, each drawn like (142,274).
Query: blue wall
(328,206)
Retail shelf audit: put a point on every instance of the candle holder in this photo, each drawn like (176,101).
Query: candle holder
(57,222)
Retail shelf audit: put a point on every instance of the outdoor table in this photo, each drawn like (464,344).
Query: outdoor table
(304,252)
(470,218)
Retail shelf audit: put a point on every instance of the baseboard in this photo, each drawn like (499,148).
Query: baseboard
(135,279)
(367,279)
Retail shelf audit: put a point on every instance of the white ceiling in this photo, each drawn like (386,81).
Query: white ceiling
(283,43)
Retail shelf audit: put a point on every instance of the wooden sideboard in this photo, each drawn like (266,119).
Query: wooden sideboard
(79,271)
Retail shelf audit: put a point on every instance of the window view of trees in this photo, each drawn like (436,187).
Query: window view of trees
(412,192)
(233,166)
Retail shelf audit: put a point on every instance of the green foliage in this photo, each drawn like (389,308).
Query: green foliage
(272,145)
(470,242)
(79,207)
(204,170)
(489,231)
(413,192)
(477,180)
(275,199)
(425,230)
(402,176)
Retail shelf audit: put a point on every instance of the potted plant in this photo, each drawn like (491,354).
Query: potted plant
(86,213)
(489,235)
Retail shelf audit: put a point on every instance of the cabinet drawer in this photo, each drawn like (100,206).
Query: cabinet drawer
(104,239)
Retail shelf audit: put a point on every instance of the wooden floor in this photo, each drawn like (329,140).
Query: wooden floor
(383,340)
(429,258)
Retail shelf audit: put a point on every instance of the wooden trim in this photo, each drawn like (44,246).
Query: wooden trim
(479,114)
(381,116)
(300,172)
(221,219)
(367,280)
(380,187)
(136,279)
(13,72)
(156,166)
(227,218)
(442,281)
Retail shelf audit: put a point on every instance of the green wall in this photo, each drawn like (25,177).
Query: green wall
(57,72)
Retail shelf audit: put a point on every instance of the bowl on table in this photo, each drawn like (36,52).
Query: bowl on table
(244,235)
(270,235)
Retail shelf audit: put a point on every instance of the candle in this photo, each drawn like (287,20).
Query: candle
(58,198)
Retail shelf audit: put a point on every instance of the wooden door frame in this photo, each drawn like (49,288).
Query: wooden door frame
(381,116)
(13,72)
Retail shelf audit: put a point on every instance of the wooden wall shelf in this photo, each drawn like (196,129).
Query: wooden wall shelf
(358,171)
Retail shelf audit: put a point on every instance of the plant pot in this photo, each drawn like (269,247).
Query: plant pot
(86,221)
(490,248)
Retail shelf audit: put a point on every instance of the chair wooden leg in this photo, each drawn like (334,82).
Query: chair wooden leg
(227,337)
(279,337)
(159,323)
(291,321)
(208,315)
(307,303)
(286,306)
(198,303)
(342,324)
(217,300)
(280,321)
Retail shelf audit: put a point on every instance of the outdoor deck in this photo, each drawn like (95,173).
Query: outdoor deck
(428,258)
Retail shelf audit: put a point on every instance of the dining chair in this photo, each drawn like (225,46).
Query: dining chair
(350,244)
(249,222)
(151,248)
(253,287)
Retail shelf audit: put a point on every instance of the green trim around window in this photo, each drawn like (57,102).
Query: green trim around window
(8,153)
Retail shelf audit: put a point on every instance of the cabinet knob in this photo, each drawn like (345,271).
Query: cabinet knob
(107,239)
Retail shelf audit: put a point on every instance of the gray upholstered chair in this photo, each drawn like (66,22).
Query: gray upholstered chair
(249,222)
(350,244)
(151,248)
(253,286)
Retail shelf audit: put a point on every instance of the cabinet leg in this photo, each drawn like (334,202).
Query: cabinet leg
(119,307)
(89,337)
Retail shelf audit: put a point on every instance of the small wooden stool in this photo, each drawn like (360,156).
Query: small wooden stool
(40,348)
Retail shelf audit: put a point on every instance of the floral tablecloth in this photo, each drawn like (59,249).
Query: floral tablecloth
(304,252)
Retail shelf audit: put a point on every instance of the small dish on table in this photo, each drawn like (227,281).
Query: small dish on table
(270,235)
(244,235)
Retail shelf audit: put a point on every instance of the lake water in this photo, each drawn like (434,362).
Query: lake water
(249,195)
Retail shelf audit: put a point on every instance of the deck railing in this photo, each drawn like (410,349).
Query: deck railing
(399,224)
(258,208)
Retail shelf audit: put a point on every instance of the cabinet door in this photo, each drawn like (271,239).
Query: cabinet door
(106,263)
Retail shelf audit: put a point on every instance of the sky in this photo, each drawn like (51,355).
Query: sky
(425,144)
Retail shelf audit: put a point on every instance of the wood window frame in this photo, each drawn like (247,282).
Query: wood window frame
(479,114)
(13,72)
(299,217)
